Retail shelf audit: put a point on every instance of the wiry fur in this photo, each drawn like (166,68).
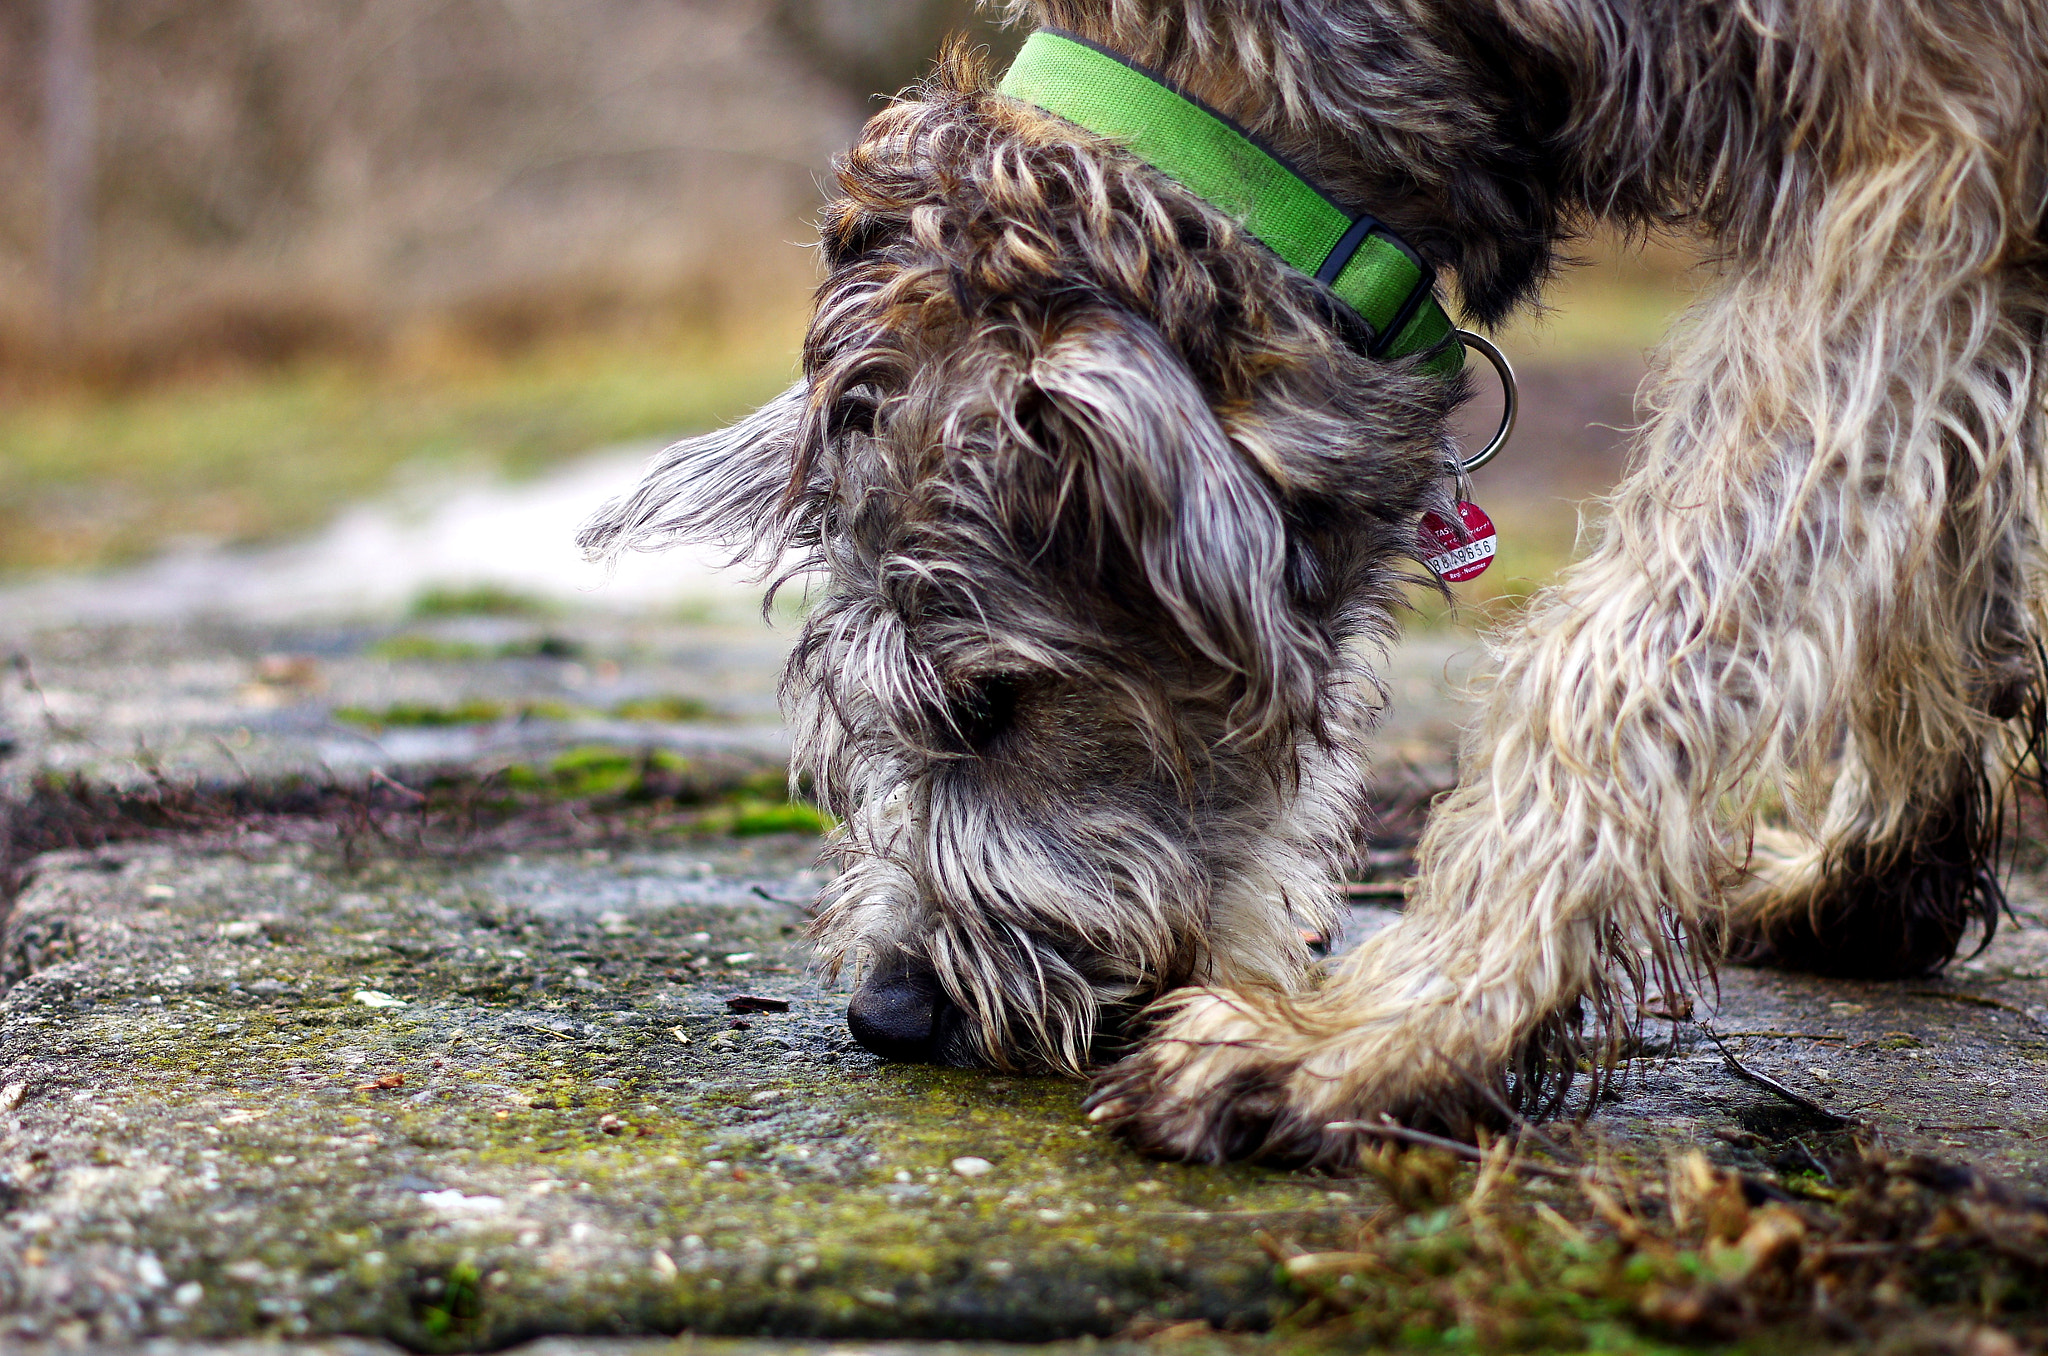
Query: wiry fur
(1816,600)
(1107,516)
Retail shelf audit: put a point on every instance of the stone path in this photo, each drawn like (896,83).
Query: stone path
(259,1085)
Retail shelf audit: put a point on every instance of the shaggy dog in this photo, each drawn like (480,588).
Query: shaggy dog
(1112,506)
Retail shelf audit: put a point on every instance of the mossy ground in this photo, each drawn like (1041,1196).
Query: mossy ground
(456,1104)
(564,1128)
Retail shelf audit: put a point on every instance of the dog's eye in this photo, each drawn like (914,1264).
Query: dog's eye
(853,414)
(986,712)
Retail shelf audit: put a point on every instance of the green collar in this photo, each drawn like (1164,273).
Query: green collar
(1367,266)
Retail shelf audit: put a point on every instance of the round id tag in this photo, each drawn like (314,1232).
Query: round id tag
(1455,555)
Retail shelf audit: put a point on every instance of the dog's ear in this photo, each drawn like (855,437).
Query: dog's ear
(730,487)
(1136,435)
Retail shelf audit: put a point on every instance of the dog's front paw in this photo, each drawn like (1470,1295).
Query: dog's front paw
(1227,1075)
(1223,1077)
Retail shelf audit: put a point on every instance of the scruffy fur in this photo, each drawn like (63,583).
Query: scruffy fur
(1110,518)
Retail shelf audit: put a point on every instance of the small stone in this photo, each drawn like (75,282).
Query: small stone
(453,1202)
(376,998)
(972,1167)
(739,957)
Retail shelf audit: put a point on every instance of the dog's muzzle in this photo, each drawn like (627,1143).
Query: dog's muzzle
(902,1012)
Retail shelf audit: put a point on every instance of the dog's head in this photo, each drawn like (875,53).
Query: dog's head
(1102,507)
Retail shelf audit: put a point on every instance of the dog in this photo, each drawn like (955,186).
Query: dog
(1114,506)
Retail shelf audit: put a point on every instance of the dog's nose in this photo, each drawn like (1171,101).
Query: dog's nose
(900,1012)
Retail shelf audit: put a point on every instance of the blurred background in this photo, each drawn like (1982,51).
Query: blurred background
(318,305)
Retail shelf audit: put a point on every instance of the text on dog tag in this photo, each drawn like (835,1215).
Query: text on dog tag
(1455,555)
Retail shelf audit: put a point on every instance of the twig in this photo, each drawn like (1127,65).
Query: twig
(809,906)
(1772,1085)
(1977,1001)
(1455,1148)
(385,779)
(1811,1157)
(18,661)
(1785,1035)
(1525,1129)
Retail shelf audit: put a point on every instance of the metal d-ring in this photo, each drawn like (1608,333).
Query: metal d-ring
(1507,390)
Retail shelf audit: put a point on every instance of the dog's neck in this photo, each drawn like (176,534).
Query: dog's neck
(1368,268)
(1412,112)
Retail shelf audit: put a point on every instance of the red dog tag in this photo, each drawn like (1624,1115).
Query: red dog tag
(1456,556)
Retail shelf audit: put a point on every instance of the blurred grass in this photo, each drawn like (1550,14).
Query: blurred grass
(90,479)
(1618,303)
(1600,322)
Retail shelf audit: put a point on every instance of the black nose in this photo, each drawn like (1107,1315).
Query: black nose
(900,1012)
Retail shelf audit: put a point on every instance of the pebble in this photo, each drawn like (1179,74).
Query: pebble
(972,1167)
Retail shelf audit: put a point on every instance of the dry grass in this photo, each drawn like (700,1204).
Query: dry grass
(1871,1251)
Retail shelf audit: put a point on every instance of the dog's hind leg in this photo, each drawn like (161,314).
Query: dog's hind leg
(1886,880)
(1753,579)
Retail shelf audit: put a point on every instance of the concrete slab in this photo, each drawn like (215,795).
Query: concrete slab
(458,1105)
(444,1093)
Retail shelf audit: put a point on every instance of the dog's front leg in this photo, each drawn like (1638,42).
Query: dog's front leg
(1700,663)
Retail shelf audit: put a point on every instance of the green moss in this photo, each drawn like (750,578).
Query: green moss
(418,648)
(451,1306)
(598,770)
(479,600)
(411,648)
(747,818)
(475,711)
(666,708)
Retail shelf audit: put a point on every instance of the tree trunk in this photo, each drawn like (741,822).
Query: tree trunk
(68,124)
